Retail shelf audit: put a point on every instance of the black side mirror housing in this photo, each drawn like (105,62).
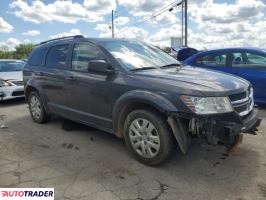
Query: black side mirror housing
(100,67)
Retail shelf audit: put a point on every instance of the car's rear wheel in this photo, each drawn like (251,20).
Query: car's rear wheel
(148,137)
(37,110)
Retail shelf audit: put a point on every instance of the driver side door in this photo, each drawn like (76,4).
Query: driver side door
(88,93)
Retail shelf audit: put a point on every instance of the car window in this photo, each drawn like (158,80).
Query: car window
(212,60)
(238,59)
(57,56)
(249,60)
(38,56)
(82,54)
(11,66)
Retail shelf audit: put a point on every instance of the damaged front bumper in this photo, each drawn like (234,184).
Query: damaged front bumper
(248,124)
(223,128)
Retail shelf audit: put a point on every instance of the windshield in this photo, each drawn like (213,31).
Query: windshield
(135,55)
(11,66)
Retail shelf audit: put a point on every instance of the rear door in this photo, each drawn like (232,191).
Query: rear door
(52,77)
(251,66)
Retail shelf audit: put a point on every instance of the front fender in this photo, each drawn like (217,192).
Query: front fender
(139,96)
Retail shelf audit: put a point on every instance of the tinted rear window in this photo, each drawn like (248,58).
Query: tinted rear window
(38,56)
(57,56)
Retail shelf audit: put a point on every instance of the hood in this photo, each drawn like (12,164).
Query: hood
(198,79)
(16,75)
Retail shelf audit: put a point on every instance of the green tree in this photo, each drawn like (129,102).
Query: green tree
(22,51)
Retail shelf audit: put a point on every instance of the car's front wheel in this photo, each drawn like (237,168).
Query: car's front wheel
(37,110)
(148,137)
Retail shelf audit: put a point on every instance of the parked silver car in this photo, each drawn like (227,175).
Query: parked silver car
(11,79)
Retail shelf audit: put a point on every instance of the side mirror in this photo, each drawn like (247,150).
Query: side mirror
(100,67)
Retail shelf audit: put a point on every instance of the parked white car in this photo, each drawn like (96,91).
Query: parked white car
(11,79)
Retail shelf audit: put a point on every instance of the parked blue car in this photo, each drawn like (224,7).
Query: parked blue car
(248,63)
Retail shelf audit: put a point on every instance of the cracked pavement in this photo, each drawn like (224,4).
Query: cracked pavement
(83,163)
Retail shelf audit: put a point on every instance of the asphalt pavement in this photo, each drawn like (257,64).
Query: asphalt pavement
(83,163)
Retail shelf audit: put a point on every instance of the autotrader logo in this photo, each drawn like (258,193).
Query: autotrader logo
(27,193)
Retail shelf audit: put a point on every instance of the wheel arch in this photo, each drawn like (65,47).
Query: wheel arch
(30,87)
(136,100)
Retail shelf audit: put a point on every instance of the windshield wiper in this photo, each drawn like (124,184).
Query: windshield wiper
(172,65)
(142,68)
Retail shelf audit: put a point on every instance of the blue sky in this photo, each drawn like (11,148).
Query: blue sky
(212,23)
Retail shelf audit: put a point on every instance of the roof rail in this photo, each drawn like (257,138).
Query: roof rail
(63,38)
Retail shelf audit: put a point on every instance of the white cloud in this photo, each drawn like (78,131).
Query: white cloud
(31,33)
(238,23)
(58,11)
(225,18)
(103,27)
(125,32)
(64,34)
(162,37)
(224,13)
(167,18)
(100,6)
(145,9)
(133,33)
(227,25)
(26,41)
(4,26)
(218,25)
(9,44)
(121,21)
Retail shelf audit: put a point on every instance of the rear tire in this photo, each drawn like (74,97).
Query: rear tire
(148,137)
(37,110)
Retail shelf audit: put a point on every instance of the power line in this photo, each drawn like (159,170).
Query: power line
(164,9)
(161,11)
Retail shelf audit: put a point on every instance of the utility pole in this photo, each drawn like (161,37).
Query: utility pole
(113,31)
(182,25)
(186,23)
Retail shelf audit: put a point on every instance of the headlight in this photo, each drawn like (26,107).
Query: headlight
(208,105)
(4,83)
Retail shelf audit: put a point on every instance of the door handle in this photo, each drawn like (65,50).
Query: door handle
(71,78)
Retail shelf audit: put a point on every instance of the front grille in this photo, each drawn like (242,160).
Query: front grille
(241,108)
(242,102)
(18,93)
(236,97)
(18,83)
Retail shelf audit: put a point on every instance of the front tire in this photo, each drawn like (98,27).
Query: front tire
(37,110)
(148,137)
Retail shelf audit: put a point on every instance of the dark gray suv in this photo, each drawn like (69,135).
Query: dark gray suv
(138,93)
